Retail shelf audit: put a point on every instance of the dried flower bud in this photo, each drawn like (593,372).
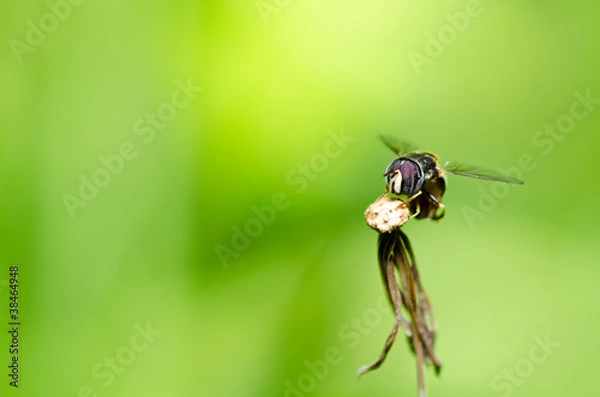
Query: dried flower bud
(386,214)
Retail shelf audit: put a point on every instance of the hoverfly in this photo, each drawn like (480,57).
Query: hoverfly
(418,176)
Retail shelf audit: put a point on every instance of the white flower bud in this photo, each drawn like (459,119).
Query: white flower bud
(387,214)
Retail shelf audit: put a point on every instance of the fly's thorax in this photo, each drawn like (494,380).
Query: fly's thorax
(429,163)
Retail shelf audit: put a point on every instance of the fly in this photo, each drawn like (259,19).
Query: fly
(418,176)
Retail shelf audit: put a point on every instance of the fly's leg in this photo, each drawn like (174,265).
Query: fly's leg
(441,206)
(417,206)
(414,196)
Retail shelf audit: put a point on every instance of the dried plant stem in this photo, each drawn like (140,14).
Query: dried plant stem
(395,255)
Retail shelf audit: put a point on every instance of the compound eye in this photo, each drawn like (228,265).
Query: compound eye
(394,166)
(404,176)
(412,177)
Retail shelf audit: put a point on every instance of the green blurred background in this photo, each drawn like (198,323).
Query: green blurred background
(154,247)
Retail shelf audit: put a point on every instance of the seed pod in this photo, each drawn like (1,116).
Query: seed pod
(386,214)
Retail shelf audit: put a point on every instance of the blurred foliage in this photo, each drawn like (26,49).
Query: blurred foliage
(278,78)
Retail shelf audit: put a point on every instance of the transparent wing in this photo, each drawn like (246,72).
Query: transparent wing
(477,172)
(399,147)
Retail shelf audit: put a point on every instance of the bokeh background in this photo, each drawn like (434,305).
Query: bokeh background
(156,246)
